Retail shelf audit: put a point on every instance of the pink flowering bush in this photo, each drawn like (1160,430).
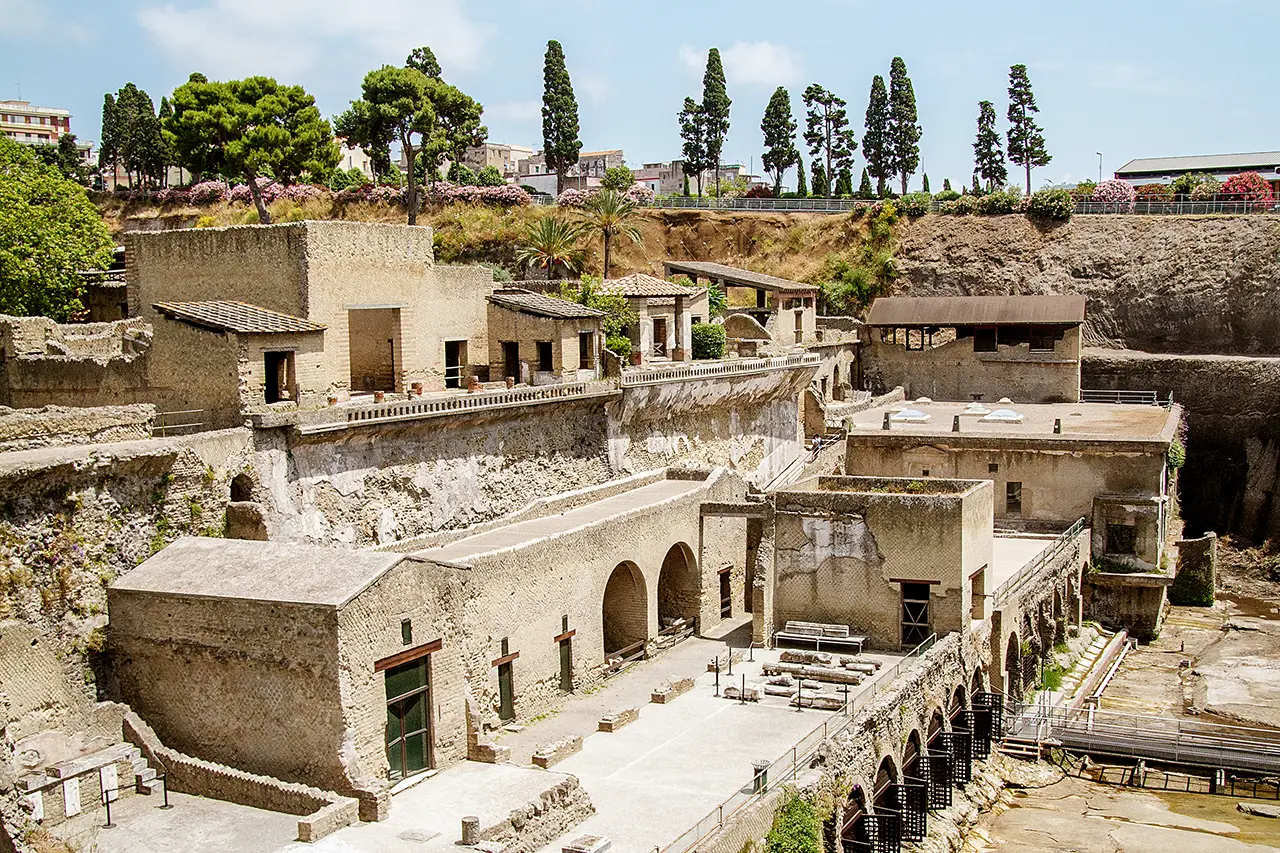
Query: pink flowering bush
(207,192)
(303,192)
(1115,192)
(269,189)
(573,197)
(639,194)
(1248,186)
(172,195)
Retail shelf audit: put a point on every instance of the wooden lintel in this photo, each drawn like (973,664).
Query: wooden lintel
(505,659)
(565,636)
(408,655)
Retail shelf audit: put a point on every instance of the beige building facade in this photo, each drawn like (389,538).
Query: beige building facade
(541,340)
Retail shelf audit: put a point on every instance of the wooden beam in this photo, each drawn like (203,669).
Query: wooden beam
(506,659)
(408,655)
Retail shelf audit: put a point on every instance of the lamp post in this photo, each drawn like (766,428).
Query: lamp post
(1099,153)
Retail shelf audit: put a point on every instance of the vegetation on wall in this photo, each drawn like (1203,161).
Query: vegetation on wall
(850,283)
(796,828)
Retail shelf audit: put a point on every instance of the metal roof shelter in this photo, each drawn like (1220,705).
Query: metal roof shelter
(734,277)
(950,311)
(538,305)
(226,315)
(1260,161)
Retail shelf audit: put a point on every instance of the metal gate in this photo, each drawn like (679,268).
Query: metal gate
(958,745)
(995,703)
(883,831)
(939,764)
(982,727)
(912,798)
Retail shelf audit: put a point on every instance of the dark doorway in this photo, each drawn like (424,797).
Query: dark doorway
(278,367)
(586,348)
(755,529)
(409,717)
(915,613)
(506,692)
(566,665)
(660,336)
(726,594)
(511,360)
(455,358)
(545,364)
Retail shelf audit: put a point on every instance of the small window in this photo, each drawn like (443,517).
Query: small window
(1042,340)
(984,339)
(1013,498)
(915,339)
(544,356)
(584,349)
(924,472)
(993,467)
(695,319)
(1122,539)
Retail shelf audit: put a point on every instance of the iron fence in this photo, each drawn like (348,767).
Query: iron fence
(1137,398)
(791,762)
(178,423)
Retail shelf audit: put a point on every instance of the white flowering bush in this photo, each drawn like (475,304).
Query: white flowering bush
(1115,192)
(639,194)
(573,197)
(207,192)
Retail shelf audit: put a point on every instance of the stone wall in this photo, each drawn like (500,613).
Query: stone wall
(59,426)
(1134,602)
(1196,580)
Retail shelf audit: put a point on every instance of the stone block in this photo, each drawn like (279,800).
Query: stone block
(331,818)
(779,690)
(617,719)
(751,694)
(818,658)
(557,751)
(588,844)
(488,752)
(668,692)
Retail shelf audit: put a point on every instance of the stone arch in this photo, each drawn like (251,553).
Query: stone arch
(887,775)
(679,586)
(979,682)
(958,702)
(913,752)
(852,831)
(1073,599)
(937,725)
(242,487)
(625,610)
(1059,617)
(1044,628)
(1013,668)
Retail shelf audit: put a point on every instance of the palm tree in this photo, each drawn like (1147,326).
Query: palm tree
(607,213)
(550,244)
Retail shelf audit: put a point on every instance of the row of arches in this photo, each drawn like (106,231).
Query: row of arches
(1030,646)
(624,610)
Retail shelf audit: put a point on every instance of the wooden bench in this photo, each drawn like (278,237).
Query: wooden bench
(819,633)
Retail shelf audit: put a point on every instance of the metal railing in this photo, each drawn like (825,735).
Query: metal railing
(1030,570)
(1137,398)
(402,410)
(633,377)
(795,205)
(1220,204)
(178,423)
(791,762)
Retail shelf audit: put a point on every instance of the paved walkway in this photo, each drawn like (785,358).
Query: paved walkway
(1010,553)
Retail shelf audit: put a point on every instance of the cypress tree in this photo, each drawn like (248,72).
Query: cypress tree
(1026,138)
(109,148)
(560,142)
(844,183)
(864,188)
(802,186)
(715,111)
(875,142)
(686,185)
(821,189)
(977,188)
(779,129)
(946,185)
(904,131)
(988,158)
(926,181)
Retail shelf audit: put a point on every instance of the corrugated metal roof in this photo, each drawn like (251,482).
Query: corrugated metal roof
(1174,166)
(738,277)
(226,315)
(542,306)
(976,310)
(641,285)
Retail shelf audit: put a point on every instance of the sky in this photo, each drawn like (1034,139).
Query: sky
(1128,78)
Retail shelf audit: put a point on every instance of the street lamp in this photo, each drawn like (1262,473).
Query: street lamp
(1099,153)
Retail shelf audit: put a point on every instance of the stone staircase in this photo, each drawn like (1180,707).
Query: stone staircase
(76,786)
(1072,680)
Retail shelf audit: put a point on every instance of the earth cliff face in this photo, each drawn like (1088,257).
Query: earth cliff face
(1154,283)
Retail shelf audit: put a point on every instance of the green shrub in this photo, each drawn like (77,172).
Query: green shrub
(1176,455)
(796,828)
(708,340)
(1155,192)
(619,345)
(946,195)
(1185,184)
(1084,191)
(1206,189)
(1051,204)
(915,204)
(489,176)
(998,202)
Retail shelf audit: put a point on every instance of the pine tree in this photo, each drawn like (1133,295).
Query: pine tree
(864,188)
(988,158)
(1026,138)
(560,142)
(904,131)
(693,134)
(827,134)
(821,189)
(779,129)
(424,59)
(844,184)
(926,181)
(802,186)
(875,142)
(715,111)
(946,185)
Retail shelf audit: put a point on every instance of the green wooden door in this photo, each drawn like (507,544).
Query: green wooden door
(506,694)
(566,666)
(409,718)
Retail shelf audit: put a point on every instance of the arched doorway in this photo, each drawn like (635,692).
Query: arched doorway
(1013,669)
(912,755)
(958,702)
(979,682)
(625,612)
(679,592)
(886,778)
(241,487)
(854,836)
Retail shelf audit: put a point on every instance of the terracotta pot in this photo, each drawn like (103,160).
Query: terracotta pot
(333,401)
(417,389)
(379,396)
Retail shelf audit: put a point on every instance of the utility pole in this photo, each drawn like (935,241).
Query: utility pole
(1099,153)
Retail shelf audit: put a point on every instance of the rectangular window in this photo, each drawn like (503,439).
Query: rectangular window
(1042,340)
(544,356)
(278,379)
(977,598)
(585,340)
(993,467)
(984,339)
(1013,498)
(1122,539)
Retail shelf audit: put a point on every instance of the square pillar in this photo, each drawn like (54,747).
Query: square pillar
(683,332)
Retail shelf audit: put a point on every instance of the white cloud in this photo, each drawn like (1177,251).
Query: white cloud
(514,111)
(289,37)
(757,64)
(595,88)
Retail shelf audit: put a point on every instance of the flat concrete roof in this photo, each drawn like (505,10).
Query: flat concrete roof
(525,533)
(258,571)
(1080,422)
(1009,554)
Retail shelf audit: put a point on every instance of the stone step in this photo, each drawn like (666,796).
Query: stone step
(148,787)
(144,775)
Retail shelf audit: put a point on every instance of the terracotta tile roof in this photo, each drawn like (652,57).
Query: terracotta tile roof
(976,310)
(542,306)
(639,284)
(738,277)
(226,315)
